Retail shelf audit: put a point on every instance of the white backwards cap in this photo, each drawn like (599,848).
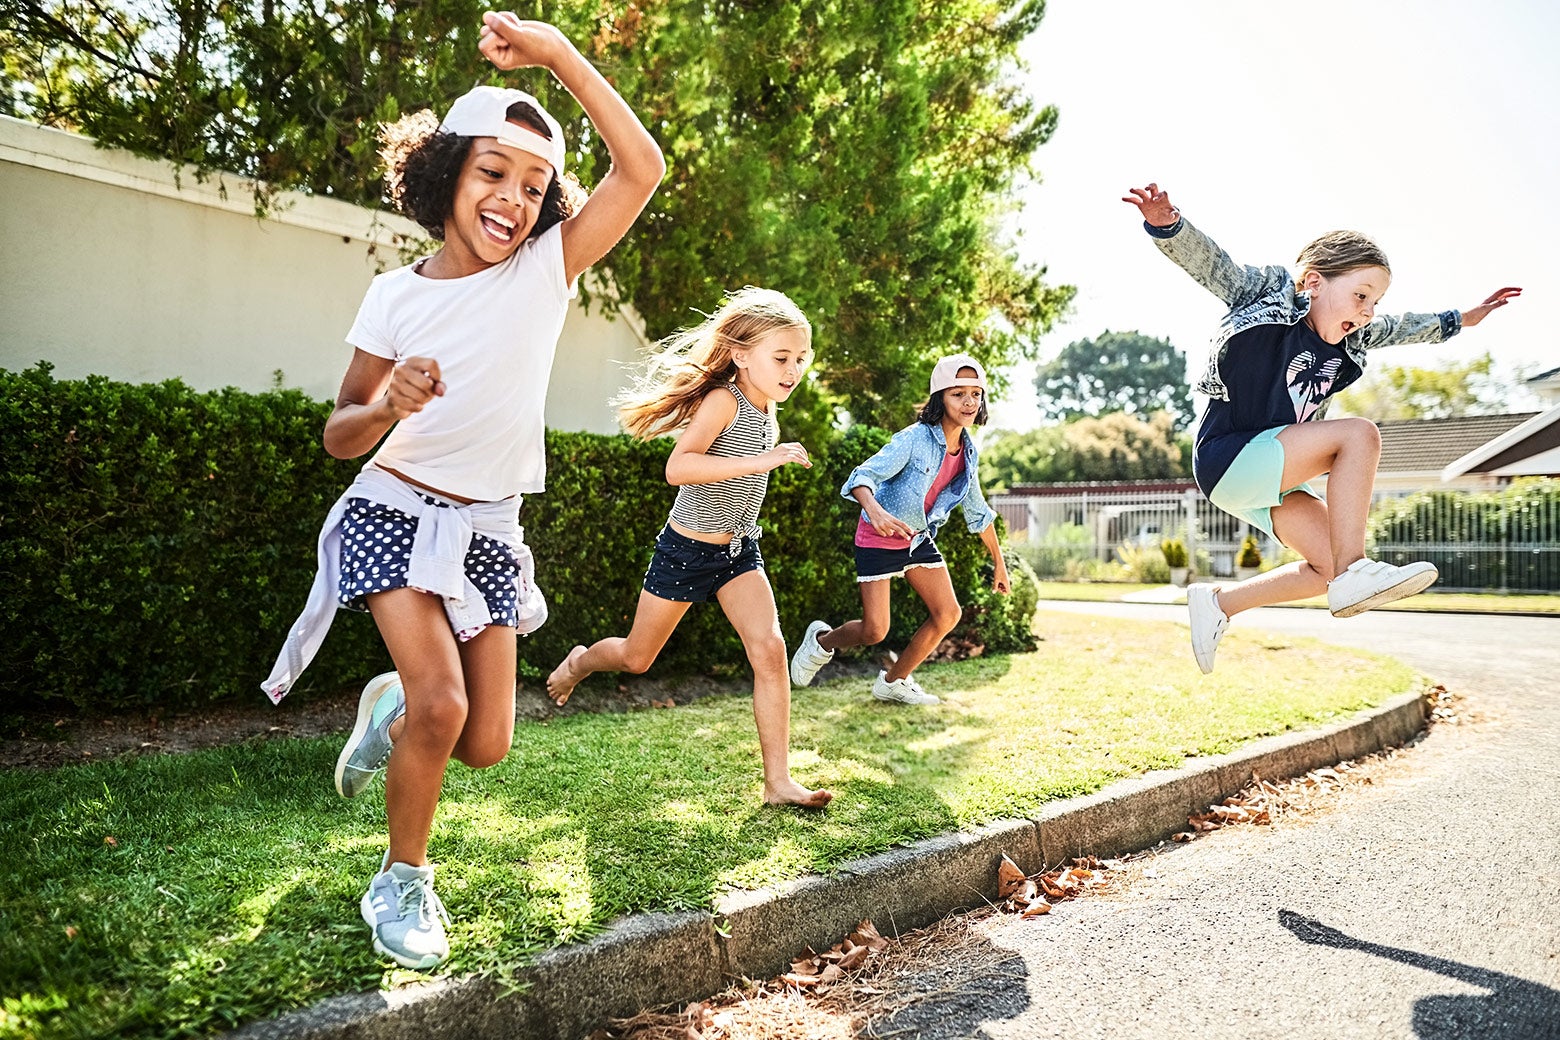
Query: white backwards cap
(484,112)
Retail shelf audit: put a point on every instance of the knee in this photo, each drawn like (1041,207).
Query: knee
(873,632)
(1363,434)
(767,654)
(489,750)
(946,619)
(637,661)
(437,714)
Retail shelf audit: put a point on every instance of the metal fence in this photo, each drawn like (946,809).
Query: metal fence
(1504,541)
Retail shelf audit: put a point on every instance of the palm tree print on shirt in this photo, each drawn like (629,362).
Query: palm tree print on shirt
(1310,381)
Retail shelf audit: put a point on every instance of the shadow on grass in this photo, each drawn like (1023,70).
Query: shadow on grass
(181,894)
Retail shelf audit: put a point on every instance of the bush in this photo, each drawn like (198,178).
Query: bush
(160,541)
(1507,539)
(1250,555)
(1174,551)
(1142,564)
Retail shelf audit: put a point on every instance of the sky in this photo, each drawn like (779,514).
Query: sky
(1431,125)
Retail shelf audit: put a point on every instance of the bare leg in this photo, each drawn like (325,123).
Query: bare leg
(749,604)
(488,661)
(1301,523)
(869,629)
(654,621)
(1347,450)
(418,636)
(935,588)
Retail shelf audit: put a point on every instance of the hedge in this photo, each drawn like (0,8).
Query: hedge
(1507,539)
(159,541)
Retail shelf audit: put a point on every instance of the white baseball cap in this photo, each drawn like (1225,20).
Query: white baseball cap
(484,112)
(946,373)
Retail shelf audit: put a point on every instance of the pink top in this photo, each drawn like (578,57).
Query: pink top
(952,466)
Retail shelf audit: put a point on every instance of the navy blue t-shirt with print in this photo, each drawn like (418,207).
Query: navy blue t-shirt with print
(1277,375)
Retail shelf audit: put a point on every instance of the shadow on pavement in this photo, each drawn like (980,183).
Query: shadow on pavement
(1513,1008)
(958,999)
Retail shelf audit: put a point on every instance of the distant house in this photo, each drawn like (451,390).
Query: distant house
(1531,449)
(1419,454)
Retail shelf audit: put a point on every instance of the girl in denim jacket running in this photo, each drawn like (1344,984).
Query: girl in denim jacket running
(1284,348)
(906,491)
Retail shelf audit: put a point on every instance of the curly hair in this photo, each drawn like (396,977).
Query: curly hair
(694,361)
(1340,251)
(423,164)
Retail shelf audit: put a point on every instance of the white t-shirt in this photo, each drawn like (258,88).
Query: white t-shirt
(493,334)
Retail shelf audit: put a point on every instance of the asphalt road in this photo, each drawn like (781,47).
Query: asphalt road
(1426,906)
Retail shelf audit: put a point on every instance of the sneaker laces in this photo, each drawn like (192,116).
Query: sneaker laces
(418,893)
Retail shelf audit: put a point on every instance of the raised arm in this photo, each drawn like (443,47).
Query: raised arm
(637,165)
(689,463)
(1197,254)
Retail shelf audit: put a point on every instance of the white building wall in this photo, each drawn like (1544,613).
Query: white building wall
(121,266)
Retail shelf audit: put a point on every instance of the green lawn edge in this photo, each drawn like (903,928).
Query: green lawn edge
(183,895)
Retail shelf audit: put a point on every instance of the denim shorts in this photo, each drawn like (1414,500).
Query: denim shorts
(376,548)
(686,570)
(1250,488)
(874,564)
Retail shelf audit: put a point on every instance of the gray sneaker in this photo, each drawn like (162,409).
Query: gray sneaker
(810,657)
(368,748)
(406,917)
(905,691)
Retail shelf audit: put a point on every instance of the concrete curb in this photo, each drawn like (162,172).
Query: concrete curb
(647,960)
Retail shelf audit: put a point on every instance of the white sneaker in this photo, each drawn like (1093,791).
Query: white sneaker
(1372,583)
(905,691)
(810,657)
(406,917)
(1208,623)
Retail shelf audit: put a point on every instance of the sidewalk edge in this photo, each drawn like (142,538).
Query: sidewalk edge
(648,960)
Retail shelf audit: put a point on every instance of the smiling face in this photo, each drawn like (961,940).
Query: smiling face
(1346,302)
(771,368)
(496,204)
(962,404)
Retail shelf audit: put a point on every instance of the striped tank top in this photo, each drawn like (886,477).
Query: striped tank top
(731,506)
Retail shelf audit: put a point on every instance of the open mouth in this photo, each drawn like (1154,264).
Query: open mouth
(1349,327)
(498,226)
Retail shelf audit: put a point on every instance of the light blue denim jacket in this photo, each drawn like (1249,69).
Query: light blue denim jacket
(1267,296)
(901,473)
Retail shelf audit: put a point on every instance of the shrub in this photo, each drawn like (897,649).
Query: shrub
(159,541)
(1250,555)
(1142,564)
(1174,551)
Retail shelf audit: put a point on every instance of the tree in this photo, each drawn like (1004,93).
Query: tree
(1116,446)
(1115,372)
(857,156)
(1406,392)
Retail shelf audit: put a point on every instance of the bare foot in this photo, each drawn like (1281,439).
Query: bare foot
(564,679)
(792,793)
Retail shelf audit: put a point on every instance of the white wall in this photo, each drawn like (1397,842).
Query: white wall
(121,266)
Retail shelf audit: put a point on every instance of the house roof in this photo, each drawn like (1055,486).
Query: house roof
(1430,445)
(1521,450)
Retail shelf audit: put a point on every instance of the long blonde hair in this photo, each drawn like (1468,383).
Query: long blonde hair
(693,361)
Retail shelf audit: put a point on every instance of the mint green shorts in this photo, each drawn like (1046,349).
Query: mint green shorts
(1250,488)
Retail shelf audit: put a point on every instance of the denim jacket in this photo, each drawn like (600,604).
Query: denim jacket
(1267,296)
(900,475)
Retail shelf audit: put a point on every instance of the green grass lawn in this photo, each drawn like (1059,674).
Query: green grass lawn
(177,895)
(1451,602)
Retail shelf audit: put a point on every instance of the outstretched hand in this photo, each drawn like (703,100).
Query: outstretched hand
(1154,204)
(781,454)
(510,43)
(1473,315)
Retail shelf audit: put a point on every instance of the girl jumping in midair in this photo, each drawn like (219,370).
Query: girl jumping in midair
(1288,343)
(720,381)
(452,360)
(906,491)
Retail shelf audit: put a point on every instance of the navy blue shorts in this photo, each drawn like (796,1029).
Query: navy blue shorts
(686,570)
(376,548)
(873,564)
